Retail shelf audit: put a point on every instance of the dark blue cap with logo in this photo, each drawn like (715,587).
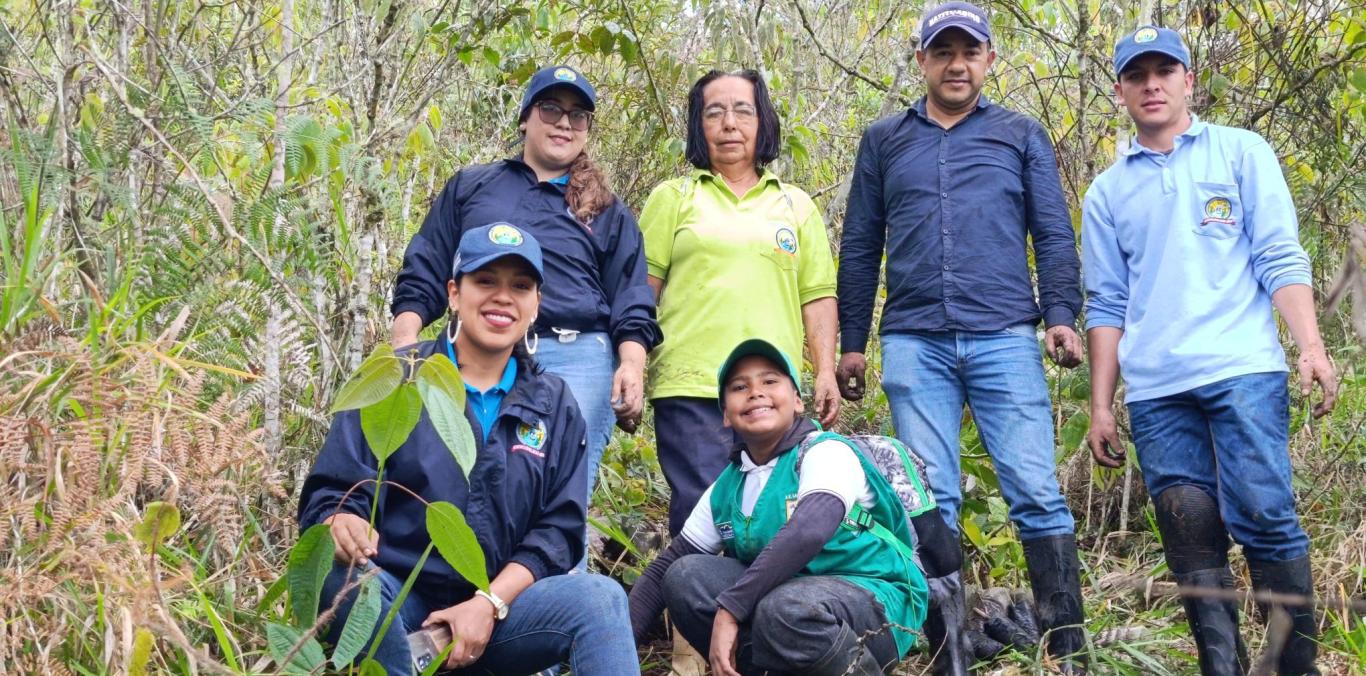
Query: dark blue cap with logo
(1149,40)
(485,244)
(964,16)
(558,76)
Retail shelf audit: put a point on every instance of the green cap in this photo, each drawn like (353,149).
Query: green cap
(750,347)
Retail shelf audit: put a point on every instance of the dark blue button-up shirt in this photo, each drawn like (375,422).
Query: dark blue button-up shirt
(953,209)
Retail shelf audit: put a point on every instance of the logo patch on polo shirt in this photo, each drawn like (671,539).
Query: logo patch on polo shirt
(505,235)
(565,75)
(786,240)
(532,436)
(1218,210)
(726,531)
(1145,35)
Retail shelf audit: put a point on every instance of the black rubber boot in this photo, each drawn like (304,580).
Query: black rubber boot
(1196,545)
(1214,623)
(945,624)
(1055,575)
(1290,577)
(847,657)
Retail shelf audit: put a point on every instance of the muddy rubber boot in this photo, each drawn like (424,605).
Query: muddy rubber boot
(1214,623)
(1290,577)
(1196,546)
(847,657)
(945,624)
(1055,575)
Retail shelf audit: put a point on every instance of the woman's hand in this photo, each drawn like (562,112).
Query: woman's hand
(725,629)
(356,540)
(405,329)
(826,399)
(471,625)
(628,385)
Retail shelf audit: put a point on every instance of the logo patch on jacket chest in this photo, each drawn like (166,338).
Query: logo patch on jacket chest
(533,437)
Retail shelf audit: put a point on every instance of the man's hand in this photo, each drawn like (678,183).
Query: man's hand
(356,540)
(1103,438)
(471,625)
(850,375)
(1314,365)
(724,632)
(826,398)
(1063,345)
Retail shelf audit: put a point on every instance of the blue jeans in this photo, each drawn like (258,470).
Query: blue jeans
(1230,439)
(999,374)
(579,618)
(586,364)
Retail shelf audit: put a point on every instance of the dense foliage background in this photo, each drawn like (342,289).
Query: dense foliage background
(203,205)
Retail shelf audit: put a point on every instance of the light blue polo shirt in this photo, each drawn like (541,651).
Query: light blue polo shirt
(485,404)
(1183,251)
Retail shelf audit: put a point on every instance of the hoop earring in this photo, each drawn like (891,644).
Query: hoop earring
(450,337)
(530,346)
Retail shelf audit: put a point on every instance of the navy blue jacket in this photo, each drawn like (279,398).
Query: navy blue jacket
(954,209)
(524,501)
(595,272)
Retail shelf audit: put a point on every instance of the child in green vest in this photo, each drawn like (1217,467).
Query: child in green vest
(802,586)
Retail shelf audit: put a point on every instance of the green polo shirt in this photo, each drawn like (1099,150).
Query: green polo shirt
(734,268)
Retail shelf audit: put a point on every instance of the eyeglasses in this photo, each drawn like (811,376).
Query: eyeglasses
(743,112)
(551,112)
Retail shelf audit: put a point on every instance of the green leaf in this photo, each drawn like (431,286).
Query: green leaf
(220,632)
(273,592)
(282,639)
(360,623)
(309,562)
(443,394)
(1074,431)
(160,520)
(369,667)
(457,543)
(1358,77)
(388,423)
(438,372)
(376,378)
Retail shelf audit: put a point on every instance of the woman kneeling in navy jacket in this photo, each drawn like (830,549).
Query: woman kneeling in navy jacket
(524,498)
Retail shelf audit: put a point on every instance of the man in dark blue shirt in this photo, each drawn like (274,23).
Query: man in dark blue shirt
(953,189)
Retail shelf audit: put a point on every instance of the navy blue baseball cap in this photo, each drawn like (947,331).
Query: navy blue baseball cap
(558,76)
(483,245)
(762,348)
(1148,40)
(964,16)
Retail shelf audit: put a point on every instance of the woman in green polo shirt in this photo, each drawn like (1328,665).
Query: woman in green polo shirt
(731,252)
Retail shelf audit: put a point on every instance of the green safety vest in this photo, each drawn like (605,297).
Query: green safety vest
(855,553)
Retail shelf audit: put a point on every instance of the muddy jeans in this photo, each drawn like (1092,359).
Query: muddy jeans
(793,626)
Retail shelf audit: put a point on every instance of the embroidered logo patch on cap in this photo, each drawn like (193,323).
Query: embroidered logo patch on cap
(1218,210)
(786,240)
(532,436)
(565,75)
(1145,35)
(954,13)
(505,235)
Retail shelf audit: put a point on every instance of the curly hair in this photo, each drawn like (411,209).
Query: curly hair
(588,194)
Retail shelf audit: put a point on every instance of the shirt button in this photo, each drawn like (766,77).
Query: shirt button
(942,160)
(946,266)
(944,195)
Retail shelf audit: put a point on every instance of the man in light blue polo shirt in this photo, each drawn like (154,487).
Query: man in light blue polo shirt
(1188,241)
